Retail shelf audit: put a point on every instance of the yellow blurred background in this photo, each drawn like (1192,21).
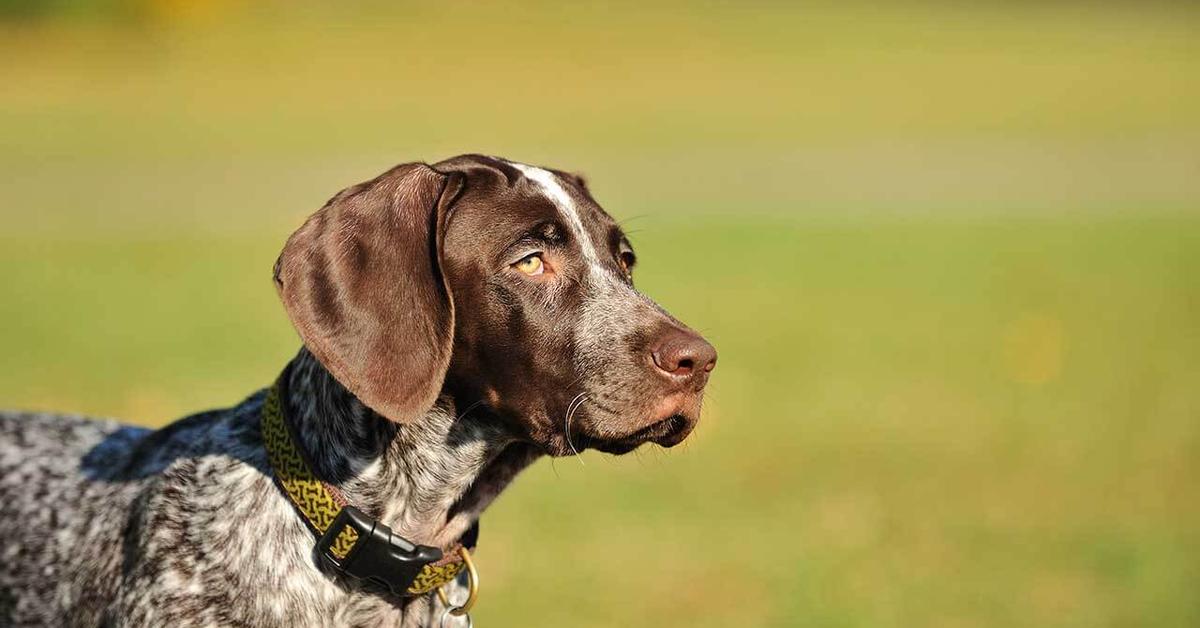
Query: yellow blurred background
(950,254)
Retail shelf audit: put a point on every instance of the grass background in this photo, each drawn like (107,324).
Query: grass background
(949,254)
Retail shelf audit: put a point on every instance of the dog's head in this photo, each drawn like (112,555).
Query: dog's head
(503,285)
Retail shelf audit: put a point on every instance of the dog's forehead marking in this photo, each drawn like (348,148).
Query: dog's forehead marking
(566,205)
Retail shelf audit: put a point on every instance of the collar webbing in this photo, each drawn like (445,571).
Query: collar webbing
(319,504)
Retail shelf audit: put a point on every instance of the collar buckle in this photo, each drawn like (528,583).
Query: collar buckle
(379,556)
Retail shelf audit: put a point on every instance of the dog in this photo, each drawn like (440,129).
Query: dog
(458,321)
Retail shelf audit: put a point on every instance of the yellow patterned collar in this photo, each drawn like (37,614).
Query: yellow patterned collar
(349,541)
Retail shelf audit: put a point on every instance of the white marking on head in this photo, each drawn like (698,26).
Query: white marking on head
(609,303)
(566,205)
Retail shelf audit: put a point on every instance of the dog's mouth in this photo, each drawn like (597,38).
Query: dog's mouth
(667,432)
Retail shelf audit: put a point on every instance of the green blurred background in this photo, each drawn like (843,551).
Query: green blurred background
(949,252)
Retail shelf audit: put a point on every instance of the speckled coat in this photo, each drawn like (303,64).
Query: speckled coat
(110,525)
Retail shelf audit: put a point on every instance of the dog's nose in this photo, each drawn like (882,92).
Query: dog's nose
(684,356)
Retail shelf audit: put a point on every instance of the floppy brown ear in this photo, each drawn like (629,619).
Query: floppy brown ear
(362,283)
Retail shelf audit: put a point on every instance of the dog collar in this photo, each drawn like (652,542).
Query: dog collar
(348,540)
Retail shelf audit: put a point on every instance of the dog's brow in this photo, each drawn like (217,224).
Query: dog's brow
(551,232)
(566,205)
(546,234)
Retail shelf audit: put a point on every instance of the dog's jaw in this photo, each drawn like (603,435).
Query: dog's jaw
(429,479)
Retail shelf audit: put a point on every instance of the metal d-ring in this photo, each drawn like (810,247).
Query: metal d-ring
(447,615)
(472,590)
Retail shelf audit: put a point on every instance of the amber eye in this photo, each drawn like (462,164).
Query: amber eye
(531,265)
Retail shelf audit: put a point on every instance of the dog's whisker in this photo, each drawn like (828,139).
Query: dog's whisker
(469,408)
(571,408)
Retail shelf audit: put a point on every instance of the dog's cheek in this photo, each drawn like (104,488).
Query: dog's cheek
(518,356)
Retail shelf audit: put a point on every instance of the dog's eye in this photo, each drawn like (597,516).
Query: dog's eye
(531,265)
(626,259)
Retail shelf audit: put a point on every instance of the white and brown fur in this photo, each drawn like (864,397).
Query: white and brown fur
(110,525)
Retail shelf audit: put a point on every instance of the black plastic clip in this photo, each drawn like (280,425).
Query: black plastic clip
(379,556)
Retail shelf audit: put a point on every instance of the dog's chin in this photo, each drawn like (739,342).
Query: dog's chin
(667,432)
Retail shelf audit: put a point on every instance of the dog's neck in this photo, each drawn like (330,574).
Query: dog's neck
(429,479)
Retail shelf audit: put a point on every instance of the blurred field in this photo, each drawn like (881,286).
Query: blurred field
(949,254)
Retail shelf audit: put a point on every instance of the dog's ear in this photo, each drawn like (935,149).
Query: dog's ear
(362,282)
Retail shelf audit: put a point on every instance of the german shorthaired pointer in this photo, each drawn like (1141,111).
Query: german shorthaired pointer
(459,321)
